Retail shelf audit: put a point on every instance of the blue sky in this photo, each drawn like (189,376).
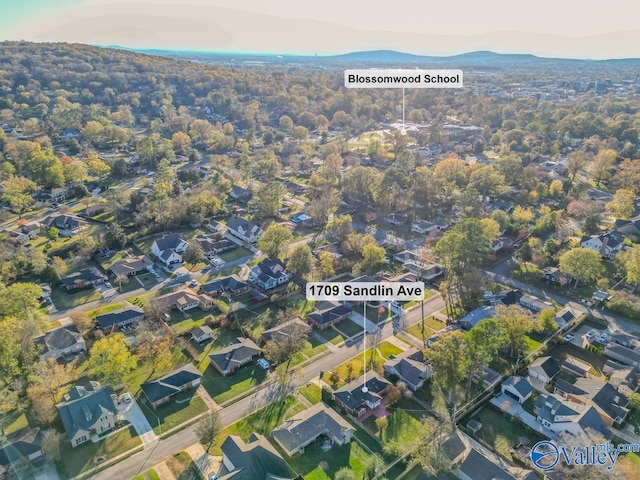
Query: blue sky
(16,12)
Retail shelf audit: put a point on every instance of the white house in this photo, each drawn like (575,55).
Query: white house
(244,229)
(606,244)
(518,388)
(169,248)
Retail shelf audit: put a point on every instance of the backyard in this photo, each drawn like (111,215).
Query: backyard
(316,464)
(503,433)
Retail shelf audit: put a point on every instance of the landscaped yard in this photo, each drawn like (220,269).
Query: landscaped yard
(503,433)
(235,254)
(90,455)
(263,421)
(431,326)
(222,388)
(349,328)
(312,392)
(307,464)
(181,408)
(183,467)
(63,300)
(375,358)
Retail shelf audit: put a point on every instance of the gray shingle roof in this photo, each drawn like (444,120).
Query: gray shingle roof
(229,357)
(352,396)
(254,460)
(85,406)
(478,467)
(170,384)
(308,425)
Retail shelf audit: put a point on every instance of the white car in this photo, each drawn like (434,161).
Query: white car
(127,398)
(603,337)
(590,335)
(263,364)
(568,337)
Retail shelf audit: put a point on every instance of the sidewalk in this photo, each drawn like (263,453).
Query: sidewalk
(206,463)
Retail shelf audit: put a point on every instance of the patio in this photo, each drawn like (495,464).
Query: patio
(379,411)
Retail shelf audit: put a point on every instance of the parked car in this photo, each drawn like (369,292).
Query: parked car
(568,337)
(603,337)
(193,283)
(263,364)
(127,398)
(590,335)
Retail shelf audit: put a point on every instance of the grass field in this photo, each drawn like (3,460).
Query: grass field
(63,300)
(183,468)
(235,254)
(88,455)
(222,388)
(312,392)
(349,328)
(332,336)
(172,414)
(375,358)
(350,455)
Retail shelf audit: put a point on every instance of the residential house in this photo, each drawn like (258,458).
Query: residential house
(565,418)
(69,223)
(396,219)
(305,427)
(15,236)
(162,389)
(132,266)
(87,278)
(629,227)
(242,195)
(31,230)
(474,317)
(20,449)
(283,331)
(356,402)
(410,367)
(228,359)
(169,248)
(269,274)
(330,315)
(424,227)
(244,229)
(202,334)
(566,317)
(518,388)
(554,275)
(478,467)
(212,247)
(575,367)
(606,244)
(426,270)
(216,226)
(622,354)
(543,369)
(255,459)
(624,339)
(52,195)
(534,304)
(184,300)
(88,410)
(114,321)
(624,378)
(231,285)
(60,342)
(510,297)
(612,406)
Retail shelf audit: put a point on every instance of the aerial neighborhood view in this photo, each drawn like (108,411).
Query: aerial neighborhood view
(164,212)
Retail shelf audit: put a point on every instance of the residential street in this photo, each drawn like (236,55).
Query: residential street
(142,461)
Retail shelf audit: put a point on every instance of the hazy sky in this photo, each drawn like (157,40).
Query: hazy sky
(575,28)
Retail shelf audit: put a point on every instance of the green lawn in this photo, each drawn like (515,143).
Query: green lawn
(183,467)
(235,254)
(106,263)
(401,432)
(313,347)
(172,414)
(145,371)
(307,464)
(349,328)
(431,326)
(375,358)
(312,392)
(112,307)
(14,421)
(87,456)
(331,335)
(503,433)
(63,300)
(262,421)
(222,388)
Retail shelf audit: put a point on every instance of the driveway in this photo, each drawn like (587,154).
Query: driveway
(133,413)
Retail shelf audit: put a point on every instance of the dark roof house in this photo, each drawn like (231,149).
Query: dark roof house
(161,390)
(230,358)
(255,459)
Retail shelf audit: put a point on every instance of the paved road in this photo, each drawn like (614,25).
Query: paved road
(139,462)
(615,322)
(168,282)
